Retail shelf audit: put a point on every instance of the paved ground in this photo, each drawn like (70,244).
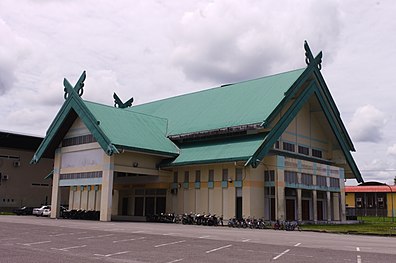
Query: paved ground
(31,239)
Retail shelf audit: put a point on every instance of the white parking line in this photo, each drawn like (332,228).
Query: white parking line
(281,254)
(57,235)
(215,249)
(359,259)
(203,236)
(245,240)
(80,238)
(176,260)
(125,240)
(36,243)
(357,248)
(296,245)
(169,234)
(172,243)
(114,254)
(67,248)
(140,231)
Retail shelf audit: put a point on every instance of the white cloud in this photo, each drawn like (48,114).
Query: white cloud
(367,124)
(236,40)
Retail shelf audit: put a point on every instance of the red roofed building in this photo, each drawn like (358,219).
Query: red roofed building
(371,199)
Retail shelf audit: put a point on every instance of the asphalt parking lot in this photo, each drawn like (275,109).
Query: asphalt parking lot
(31,239)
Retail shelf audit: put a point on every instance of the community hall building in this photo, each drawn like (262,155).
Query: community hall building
(273,148)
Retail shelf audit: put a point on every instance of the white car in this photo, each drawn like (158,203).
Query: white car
(39,211)
(46,211)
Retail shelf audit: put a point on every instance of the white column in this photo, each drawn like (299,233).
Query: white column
(280,189)
(315,205)
(328,205)
(107,188)
(55,197)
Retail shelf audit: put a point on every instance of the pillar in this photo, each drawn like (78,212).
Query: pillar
(280,189)
(315,205)
(107,188)
(55,197)
(336,206)
(328,205)
(299,205)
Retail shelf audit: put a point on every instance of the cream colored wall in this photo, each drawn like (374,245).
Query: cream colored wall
(389,197)
(305,130)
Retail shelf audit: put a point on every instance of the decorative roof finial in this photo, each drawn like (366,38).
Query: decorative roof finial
(309,58)
(119,104)
(77,89)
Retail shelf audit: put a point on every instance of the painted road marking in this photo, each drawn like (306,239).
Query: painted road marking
(203,236)
(296,245)
(36,243)
(172,243)
(140,231)
(281,254)
(114,254)
(245,240)
(169,234)
(67,248)
(125,240)
(213,250)
(358,249)
(80,238)
(359,259)
(176,260)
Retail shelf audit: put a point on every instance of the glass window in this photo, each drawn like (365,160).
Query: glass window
(211,176)
(197,176)
(288,147)
(303,150)
(317,153)
(175,177)
(186,176)
(225,175)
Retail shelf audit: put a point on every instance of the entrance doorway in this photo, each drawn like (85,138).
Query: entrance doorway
(305,210)
(290,210)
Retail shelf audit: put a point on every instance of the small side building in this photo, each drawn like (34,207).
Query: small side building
(371,199)
(22,184)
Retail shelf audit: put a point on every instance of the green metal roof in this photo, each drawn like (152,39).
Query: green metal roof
(237,104)
(224,150)
(134,131)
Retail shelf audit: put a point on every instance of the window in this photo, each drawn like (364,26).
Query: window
(334,182)
(186,176)
(291,177)
(175,177)
(78,140)
(288,147)
(225,175)
(306,179)
(303,150)
(211,176)
(197,176)
(321,180)
(238,174)
(276,145)
(269,176)
(317,153)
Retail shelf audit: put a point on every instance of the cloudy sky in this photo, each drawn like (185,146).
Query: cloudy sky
(155,49)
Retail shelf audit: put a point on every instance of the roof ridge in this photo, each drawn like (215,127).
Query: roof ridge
(126,109)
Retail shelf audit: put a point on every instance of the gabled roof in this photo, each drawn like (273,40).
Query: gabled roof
(113,128)
(248,102)
(133,131)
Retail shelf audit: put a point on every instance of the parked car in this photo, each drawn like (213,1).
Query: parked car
(39,211)
(46,211)
(25,210)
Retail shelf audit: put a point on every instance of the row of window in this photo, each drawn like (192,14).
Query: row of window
(85,175)
(306,179)
(238,175)
(291,147)
(78,140)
